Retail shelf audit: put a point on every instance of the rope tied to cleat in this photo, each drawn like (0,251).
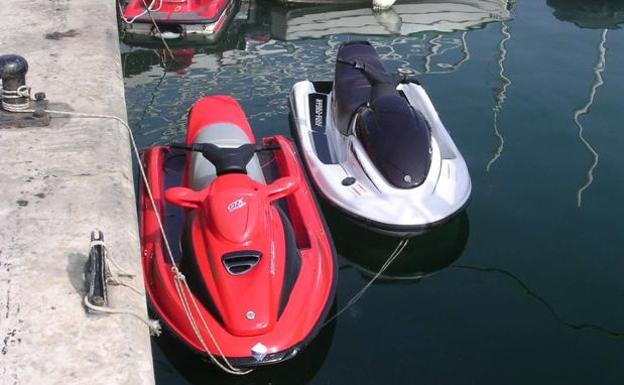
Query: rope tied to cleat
(184,292)
(147,9)
(191,308)
(19,93)
(98,275)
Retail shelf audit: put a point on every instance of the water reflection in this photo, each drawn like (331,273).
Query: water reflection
(595,14)
(501,93)
(469,315)
(599,14)
(172,360)
(598,81)
(536,296)
(405,18)
(257,62)
(425,254)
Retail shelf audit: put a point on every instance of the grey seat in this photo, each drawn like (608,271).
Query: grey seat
(223,135)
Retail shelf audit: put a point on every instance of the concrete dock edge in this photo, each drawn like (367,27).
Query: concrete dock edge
(57,184)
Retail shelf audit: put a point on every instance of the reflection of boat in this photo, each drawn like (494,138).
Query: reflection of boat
(599,14)
(405,18)
(500,93)
(177,21)
(424,254)
(594,14)
(376,4)
(143,58)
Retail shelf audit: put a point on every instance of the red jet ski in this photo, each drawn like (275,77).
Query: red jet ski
(178,18)
(253,247)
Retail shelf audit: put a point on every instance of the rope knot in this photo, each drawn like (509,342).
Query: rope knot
(178,274)
(155,328)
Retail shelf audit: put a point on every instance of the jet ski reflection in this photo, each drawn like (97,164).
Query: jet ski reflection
(425,254)
(175,360)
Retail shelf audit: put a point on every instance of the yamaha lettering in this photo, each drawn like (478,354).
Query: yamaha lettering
(318,111)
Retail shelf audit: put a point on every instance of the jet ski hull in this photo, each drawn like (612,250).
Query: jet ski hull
(307,291)
(346,178)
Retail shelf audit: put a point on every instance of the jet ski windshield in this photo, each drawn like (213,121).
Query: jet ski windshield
(397,139)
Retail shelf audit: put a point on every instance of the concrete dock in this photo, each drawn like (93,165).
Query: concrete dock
(58,183)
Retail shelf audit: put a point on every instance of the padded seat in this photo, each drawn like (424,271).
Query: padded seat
(351,86)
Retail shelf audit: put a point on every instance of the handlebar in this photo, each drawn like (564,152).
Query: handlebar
(227,160)
(200,147)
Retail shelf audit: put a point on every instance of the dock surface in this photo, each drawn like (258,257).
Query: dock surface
(58,183)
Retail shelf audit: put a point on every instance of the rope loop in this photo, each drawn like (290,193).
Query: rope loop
(154,326)
(21,92)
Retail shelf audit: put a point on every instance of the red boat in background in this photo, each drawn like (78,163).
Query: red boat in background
(258,263)
(174,19)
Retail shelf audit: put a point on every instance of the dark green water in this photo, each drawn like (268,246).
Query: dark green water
(528,283)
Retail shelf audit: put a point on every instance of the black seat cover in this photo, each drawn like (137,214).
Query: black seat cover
(396,137)
(351,86)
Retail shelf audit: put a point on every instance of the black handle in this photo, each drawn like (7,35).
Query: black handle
(227,160)
(200,147)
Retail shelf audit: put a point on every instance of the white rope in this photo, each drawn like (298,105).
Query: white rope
(148,11)
(397,251)
(21,92)
(178,277)
(153,325)
(121,271)
(148,8)
(181,285)
(116,282)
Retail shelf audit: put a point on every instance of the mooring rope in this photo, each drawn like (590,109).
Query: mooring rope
(397,251)
(182,288)
(154,326)
(148,8)
(178,277)
(21,92)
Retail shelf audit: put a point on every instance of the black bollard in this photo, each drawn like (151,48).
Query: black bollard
(16,107)
(13,70)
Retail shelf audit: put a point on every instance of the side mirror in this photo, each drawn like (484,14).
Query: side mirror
(282,187)
(184,197)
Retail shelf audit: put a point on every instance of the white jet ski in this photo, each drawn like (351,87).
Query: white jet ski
(375,146)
